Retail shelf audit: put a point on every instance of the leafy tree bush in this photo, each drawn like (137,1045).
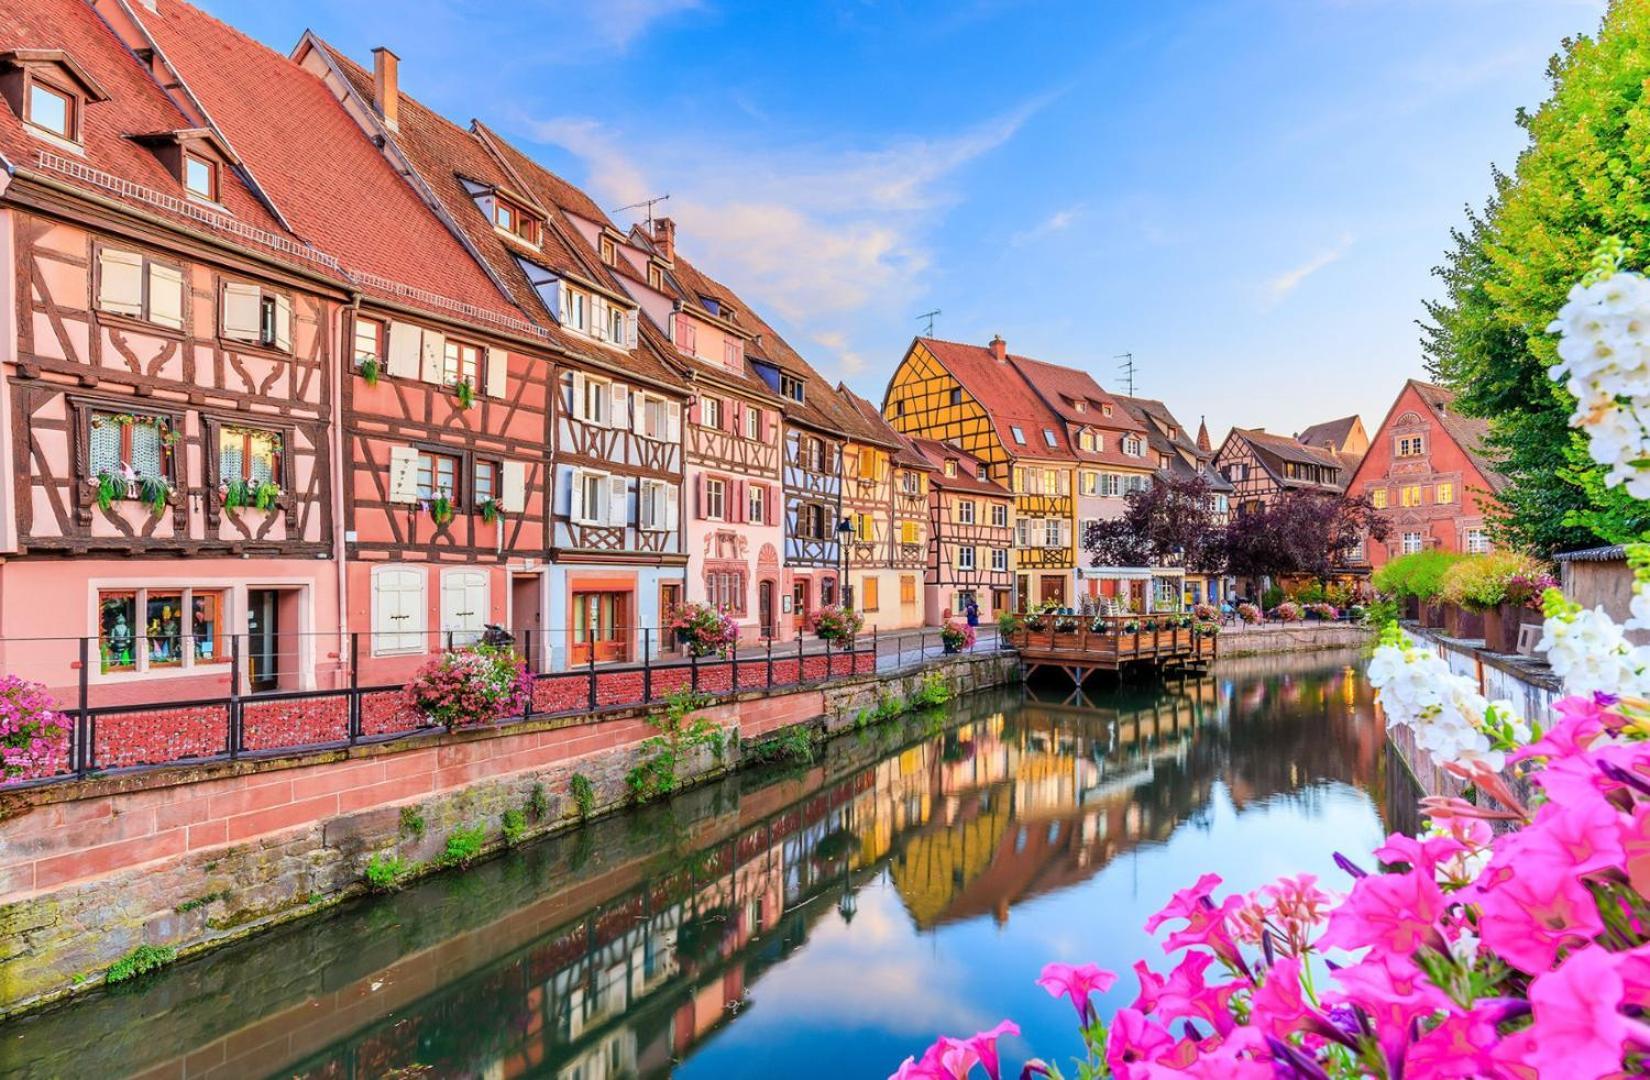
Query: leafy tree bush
(1481,581)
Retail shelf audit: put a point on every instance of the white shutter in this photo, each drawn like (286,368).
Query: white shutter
(620,398)
(403,474)
(241,304)
(404,344)
(398,610)
(598,318)
(673,431)
(578,396)
(618,508)
(464,603)
(575,498)
(638,420)
(283,323)
(166,296)
(120,282)
(431,352)
(512,496)
(673,506)
(497,362)
(630,330)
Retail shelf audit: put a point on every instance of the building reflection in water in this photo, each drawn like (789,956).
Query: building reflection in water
(616,953)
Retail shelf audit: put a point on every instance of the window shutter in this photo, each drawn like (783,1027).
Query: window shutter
(120,282)
(618,510)
(673,497)
(578,396)
(404,345)
(430,354)
(403,474)
(630,330)
(620,398)
(240,312)
(736,512)
(673,424)
(283,323)
(699,496)
(598,318)
(693,412)
(638,420)
(166,296)
(575,497)
(498,369)
(512,496)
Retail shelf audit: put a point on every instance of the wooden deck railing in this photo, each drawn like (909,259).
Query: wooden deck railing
(1111,640)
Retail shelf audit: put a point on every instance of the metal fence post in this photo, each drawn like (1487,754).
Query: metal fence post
(828,660)
(354,686)
(733,669)
(234,696)
(693,666)
(770,661)
(647,665)
(799,679)
(874,652)
(592,674)
(83,723)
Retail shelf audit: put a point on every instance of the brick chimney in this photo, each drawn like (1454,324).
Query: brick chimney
(999,349)
(386,86)
(664,238)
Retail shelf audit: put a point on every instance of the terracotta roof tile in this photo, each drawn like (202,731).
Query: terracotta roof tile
(1468,432)
(1009,402)
(968,469)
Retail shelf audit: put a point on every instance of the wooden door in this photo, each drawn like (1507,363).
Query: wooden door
(764,607)
(799,603)
(1054,590)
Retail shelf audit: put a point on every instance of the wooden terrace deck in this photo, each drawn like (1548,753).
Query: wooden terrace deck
(1079,645)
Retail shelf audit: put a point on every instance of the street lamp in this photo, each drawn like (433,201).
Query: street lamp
(844,530)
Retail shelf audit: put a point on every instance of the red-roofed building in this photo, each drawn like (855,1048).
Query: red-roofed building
(1426,473)
(166,408)
(969,536)
(976,398)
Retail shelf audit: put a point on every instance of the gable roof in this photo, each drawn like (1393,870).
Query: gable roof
(1468,432)
(1273,451)
(1331,434)
(1008,401)
(1167,436)
(874,429)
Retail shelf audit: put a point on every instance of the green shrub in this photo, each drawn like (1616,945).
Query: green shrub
(1007,623)
(384,872)
(1419,574)
(793,744)
(538,802)
(584,794)
(935,690)
(412,822)
(515,826)
(1271,598)
(463,845)
(1478,582)
(140,961)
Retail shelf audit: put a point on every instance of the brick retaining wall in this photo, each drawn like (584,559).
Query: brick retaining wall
(91,869)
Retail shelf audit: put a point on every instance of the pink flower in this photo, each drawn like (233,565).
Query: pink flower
(1528,918)
(1396,913)
(1185,902)
(1134,1041)
(984,1045)
(1565,841)
(1459,1047)
(1578,1028)
(1279,1006)
(1076,982)
(1581,721)
(1394,993)
(1186,996)
(1151,985)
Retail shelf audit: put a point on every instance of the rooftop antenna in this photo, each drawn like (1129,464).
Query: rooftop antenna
(645,202)
(1126,369)
(929,315)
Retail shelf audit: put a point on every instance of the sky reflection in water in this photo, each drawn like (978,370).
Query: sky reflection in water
(907,884)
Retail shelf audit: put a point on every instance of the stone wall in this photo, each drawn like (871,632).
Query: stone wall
(191,858)
(1268,638)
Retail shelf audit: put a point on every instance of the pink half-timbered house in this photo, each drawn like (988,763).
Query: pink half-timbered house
(166,393)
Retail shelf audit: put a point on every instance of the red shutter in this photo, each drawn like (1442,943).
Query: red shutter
(693,412)
(738,508)
(770,425)
(730,419)
(699,496)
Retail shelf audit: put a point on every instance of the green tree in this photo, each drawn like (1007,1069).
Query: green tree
(1581,179)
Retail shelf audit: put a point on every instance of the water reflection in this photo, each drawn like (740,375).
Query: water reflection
(816,921)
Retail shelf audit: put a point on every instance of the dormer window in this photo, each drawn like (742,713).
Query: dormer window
(200,176)
(48,91)
(1105,410)
(1132,446)
(513,219)
(655,276)
(950,467)
(609,251)
(51,109)
(791,387)
(1080,406)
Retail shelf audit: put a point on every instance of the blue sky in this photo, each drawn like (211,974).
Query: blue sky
(1247,195)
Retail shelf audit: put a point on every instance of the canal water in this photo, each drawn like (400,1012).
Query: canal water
(818,920)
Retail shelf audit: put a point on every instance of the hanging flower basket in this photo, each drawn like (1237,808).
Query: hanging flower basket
(704,630)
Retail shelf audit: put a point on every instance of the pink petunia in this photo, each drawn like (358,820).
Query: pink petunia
(1133,1042)
(983,1044)
(1528,918)
(1578,1029)
(1151,985)
(1184,902)
(1279,1007)
(1395,913)
(1076,982)
(1394,993)
(1186,996)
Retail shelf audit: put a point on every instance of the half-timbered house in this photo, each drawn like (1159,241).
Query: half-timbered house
(166,403)
(885,499)
(1259,465)
(733,502)
(1426,474)
(975,398)
(969,536)
(615,559)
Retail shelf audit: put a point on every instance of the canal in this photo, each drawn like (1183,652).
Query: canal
(809,920)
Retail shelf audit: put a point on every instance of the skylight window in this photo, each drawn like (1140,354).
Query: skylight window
(1048,436)
(1019,436)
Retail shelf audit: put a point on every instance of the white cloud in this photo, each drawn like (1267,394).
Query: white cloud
(1059,221)
(808,232)
(1277,289)
(619,22)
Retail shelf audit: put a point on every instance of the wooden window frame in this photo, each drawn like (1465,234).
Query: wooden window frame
(998,510)
(88,408)
(716,490)
(460,345)
(381,340)
(213,181)
(73,107)
(525,224)
(609,251)
(478,462)
(1443,493)
(459,458)
(246,432)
